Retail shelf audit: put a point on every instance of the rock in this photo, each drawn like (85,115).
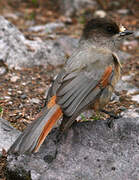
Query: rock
(68,44)
(130,112)
(88,151)
(136,34)
(115,4)
(19,92)
(135,98)
(127,77)
(137,110)
(35,100)
(36,28)
(14,78)
(52,26)
(12,16)
(49,28)
(17,52)
(7,97)
(49,52)
(3,70)
(10,102)
(127,86)
(123,11)
(7,134)
(72,7)
(13,50)
(114,97)
(23,96)
(123,56)
(53,51)
(122,108)
(100,13)
(131,44)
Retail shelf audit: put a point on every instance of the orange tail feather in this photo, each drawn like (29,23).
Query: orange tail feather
(47,128)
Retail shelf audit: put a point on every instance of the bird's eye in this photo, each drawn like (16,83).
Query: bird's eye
(109,29)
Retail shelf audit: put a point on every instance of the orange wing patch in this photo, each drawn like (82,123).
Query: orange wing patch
(105,77)
(52,102)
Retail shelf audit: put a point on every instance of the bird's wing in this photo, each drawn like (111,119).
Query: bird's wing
(83,81)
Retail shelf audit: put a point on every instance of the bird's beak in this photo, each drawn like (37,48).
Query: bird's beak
(124,31)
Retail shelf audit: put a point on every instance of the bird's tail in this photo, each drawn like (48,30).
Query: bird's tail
(34,135)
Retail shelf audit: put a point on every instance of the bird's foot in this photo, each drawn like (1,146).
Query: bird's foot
(111,114)
(112,118)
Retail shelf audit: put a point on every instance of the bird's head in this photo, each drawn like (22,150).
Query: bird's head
(104,31)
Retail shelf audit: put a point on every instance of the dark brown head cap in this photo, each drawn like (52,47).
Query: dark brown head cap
(104,26)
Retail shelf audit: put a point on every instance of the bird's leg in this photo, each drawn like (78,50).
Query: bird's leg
(112,117)
(60,130)
(111,114)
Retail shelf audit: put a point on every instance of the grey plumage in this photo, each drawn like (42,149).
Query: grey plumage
(74,90)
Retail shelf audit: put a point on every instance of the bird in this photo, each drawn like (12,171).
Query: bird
(86,81)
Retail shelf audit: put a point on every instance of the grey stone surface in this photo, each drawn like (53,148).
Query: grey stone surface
(7,134)
(12,47)
(17,51)
(123,56)
(72,7)
(123,11)
(52,51)
(2,70)
(89,151)
(49,27)
(136,34)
